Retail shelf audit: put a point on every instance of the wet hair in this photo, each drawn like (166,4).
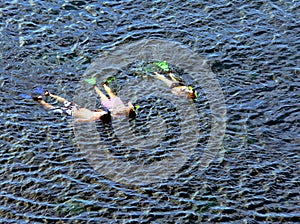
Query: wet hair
(106,118)
(132,114)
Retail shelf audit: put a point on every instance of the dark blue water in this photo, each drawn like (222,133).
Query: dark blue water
(251,47)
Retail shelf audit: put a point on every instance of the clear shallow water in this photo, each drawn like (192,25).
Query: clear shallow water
(253,49)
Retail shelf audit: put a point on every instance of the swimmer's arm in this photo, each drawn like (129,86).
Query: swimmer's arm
(173,77)
(163,78)
(58,98)
(46,105)
(159,76)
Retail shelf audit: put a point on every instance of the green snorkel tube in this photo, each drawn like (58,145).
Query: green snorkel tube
(136,107)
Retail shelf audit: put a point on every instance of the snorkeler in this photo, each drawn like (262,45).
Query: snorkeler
(72,109)
(114,104)
(161,71)
(177,87)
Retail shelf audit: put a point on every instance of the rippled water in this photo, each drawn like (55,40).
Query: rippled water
(252,48)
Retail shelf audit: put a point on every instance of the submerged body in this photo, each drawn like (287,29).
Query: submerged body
(71,109)
(114,104)
(177,88)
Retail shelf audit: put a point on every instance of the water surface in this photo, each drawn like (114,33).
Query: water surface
(252,48)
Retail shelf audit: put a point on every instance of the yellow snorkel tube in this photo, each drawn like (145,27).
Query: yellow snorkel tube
(194,92)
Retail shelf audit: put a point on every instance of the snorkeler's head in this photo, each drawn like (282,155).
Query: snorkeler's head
(131,112)
(106,118)
(192,93)
(185,91)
